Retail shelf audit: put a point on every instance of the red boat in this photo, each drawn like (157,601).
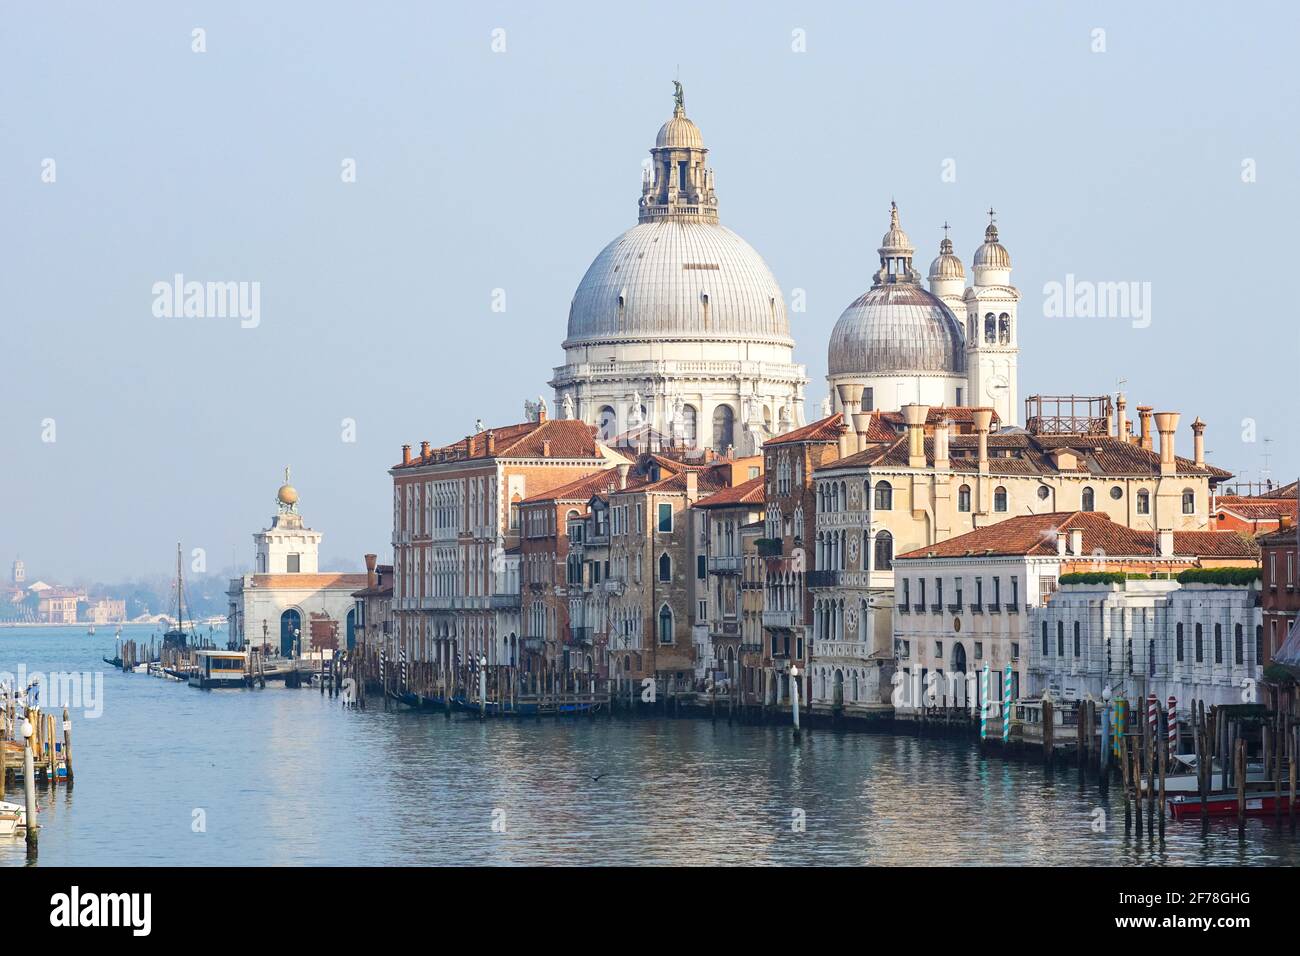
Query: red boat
(1258,804)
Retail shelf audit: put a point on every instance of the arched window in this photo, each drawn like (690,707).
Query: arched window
(884,552)
(724,424)
(963,498)
(999,498)
(1004,329)
(1089,500)
(665,625)
(990,328)
(689,416)
(665,567)
(1144,502)
(884,500)
(607,423)
(1189,501)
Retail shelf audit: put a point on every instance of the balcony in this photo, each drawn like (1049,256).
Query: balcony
(904,609)
(918,608)
(782,620)
(725,564)
(1011,608)
(954,608)
(936,608)
(770,547)
(823,579)
(993,608)
(977,608)
(610,586)
(535,645)
(580,636)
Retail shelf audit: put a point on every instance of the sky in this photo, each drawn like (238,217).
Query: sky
(499,147)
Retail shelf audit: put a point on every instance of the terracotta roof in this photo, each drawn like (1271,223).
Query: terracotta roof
(1020,453)
(568,438)
(823,430)
(708,480)
(958,414)
(314,582)
(584,488)
(747,493)
(1255,509)
(1286,491)
(1035,536)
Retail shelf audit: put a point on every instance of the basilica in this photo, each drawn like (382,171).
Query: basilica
(679,331)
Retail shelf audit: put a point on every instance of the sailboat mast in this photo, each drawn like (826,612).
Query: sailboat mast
(180,610)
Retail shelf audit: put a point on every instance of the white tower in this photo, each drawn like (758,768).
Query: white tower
(288,546)
(991,329)
(947,281)
(20,572)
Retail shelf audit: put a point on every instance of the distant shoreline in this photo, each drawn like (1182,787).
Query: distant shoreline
(84,624)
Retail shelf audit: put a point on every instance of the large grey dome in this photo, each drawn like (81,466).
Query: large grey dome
(675,279)
(897,328)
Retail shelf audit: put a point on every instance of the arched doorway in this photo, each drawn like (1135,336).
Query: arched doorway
(959,674)
(839,688)
(290,631)
(352,629)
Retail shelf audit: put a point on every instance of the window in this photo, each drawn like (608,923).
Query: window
(938,649)
(724,420)
(1060,638)
(1144,502)
(1043,492)
(1189,502)
(665,567)
(884,500)
(957,585)
(1178,643)
(1238,646)
(293,563)
(979,650)
(868,400)
(963,498)
(999,498)
(884,552)
(1089,500)
(907,591)
(700,567)
(665,518)
(1218,643)
(1078,643)
(1046,646)
(1200,649)
(665,625)
(1117,493)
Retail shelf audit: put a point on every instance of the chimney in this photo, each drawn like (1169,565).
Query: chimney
(541,413)
(1144,415)
(1198,441)
(1166,544)
(406,454)
(692,485)
(424,449)
(1121,426)
(371,578)
(1166,425)
(941,444)
(861,423)
(622,476)
(983,419)
(491,440)
(1060,544)
(546,448)
(850,399)
(915,415)
(1076,542)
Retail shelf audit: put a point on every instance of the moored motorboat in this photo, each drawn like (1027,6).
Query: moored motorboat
(1224,804)
(13,817)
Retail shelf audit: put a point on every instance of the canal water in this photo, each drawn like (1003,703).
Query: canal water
(169,774)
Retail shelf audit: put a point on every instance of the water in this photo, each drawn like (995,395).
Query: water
(290,777)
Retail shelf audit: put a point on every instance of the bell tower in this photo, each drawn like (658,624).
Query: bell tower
(992,350)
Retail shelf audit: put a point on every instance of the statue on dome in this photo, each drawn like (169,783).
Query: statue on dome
(679,99)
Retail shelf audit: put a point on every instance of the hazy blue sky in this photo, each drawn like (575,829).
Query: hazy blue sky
(479,170)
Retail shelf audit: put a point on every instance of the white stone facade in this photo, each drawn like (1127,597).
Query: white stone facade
(1191,641)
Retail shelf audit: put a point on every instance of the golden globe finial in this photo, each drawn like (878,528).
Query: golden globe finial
(287,495)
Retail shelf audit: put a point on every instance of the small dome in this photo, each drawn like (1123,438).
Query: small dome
(679,132)
(895,241)
(287,495)
(947,265)
(899,328)
(992,254)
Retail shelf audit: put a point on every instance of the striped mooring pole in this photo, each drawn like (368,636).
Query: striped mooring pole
(1006,705)
(1153,710)
(984,702)
(383,670)
(1119,723)
(1172,705)
(403,659)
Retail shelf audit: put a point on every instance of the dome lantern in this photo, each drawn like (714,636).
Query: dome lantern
(992,262)
(678,185)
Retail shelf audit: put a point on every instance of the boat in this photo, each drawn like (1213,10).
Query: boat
(90,631)
(219,668)
(1185,782)
(1223,804)
(13,817)
(176,637)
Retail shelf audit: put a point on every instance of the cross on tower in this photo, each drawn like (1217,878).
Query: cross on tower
(993,216)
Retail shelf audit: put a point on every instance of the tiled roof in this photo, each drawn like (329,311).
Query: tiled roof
(568,438)
(746,493)
(1020,453)
(957,414)
(1286,491)
(315,582)
(823,430)
(708,480)
(1035,536)
(584,488)
(1255,509)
